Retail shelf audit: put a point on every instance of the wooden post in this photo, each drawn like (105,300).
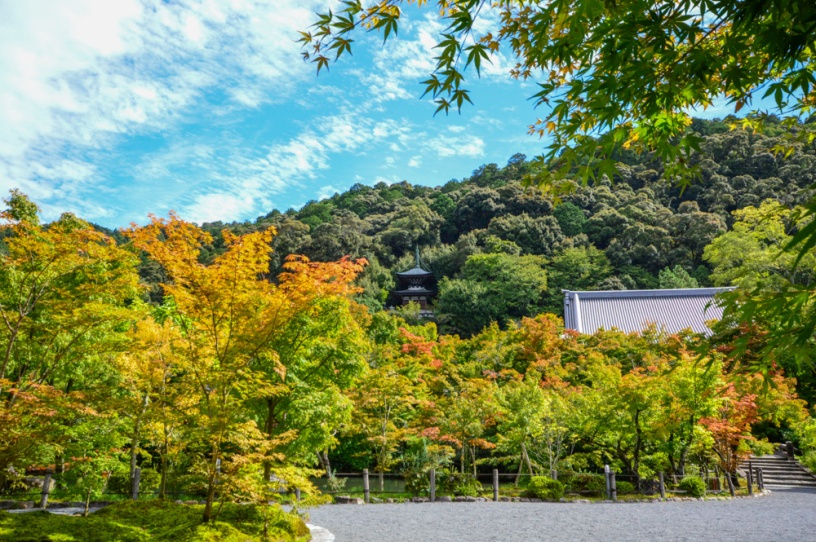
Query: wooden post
(608,484)
(46,489)
(433,485)
(662,486)
(366,487)
(750,479)
(760,481)
(137,473)
(613,485)
(495,485)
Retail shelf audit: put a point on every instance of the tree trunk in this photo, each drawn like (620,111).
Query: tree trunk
(209,503)
(134,442)
(526,458)
(87,502)
(163,481)
(518,474)
(636,458)
(382,480)
(327,463)
(211,483)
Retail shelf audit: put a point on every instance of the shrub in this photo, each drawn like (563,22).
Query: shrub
(581,481)
(693,486)
(624,487)
(544,487)
(416,482)
(469,488)
(809,461)
(457,483)
(335,484)
(761,447)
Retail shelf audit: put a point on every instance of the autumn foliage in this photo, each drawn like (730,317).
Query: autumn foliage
(241,384)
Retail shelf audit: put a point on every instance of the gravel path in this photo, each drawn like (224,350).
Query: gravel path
(784,515)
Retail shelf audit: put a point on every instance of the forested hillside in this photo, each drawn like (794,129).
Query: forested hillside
(501,251)
(246,366)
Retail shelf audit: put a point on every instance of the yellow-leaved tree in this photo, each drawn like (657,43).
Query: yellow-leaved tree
(245,341)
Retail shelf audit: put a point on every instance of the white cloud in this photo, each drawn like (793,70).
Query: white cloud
(401,64)
(248,181)
(415,161)
(75,78)
(460,145)
(326,192)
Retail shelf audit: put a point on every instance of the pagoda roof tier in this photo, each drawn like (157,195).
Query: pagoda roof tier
(415,291)
(415,272)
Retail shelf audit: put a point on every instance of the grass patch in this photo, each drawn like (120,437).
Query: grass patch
(156,521)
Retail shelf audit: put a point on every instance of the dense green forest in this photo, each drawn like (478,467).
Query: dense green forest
(501,251)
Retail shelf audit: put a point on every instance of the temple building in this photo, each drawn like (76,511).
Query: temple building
(633,310)
(416,285)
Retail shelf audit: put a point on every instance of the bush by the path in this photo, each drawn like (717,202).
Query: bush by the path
(156,521)
(693,486)
(546,488)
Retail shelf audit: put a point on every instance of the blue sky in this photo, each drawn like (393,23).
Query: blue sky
(117,109)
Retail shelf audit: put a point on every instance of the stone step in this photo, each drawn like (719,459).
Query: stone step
(789,484)
(774,468)
(800,471)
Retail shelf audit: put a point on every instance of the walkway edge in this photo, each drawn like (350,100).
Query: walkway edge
(320,534)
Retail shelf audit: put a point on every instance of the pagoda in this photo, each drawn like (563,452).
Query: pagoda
(416,285)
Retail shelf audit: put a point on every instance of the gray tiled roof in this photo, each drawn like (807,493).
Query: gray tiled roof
(633,310)
(415,272)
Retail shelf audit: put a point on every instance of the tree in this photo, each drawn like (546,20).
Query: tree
(318,354)
(227,316)
(466,412)
(730,427)
(534,235)
(385,401)
(157,404)
(532,425)
(64,288)
(676,278)
(578,268)
(613,76)
(493,287)
(570,218)
(750,254)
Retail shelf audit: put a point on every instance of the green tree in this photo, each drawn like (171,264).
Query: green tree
(539,235)
(578,268)
(570,218)
(751,254)
(676,278)
(493,287)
